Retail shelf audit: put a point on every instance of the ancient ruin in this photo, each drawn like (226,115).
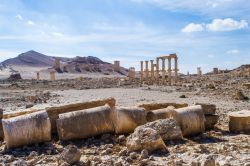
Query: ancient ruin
(52,75)
(155,71)
(117,66)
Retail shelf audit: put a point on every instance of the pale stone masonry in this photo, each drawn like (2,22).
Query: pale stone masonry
(155,73)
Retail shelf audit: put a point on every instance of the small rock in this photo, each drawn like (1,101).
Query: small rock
(71,154)
(144,154)
(123,152)
(121,138)
(133,155)
(208,160)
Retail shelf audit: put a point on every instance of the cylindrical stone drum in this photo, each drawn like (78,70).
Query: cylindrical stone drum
(126,119)
(85,123)
(239,121)
(160,114)
(27,129)
(191,119)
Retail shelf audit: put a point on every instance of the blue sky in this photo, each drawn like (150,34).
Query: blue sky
(205,33)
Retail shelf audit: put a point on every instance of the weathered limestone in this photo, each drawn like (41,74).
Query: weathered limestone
(37,76)
(167,128)
(142,70)
(145,138)
(54,112)
(199,72)
(215,70)
(52,75)
(152,72)
(56,64)
(157,71)
(163,70)
(163,113)
(1,126)
(169,71)
(27,129)
(146,71)
(156,106)
(131,73)
(176,70)
(85,123)
(126,119)
(117,66)
(191,119)
(239,121)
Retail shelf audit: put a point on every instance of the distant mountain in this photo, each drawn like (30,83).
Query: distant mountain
(67,65)
(30,58)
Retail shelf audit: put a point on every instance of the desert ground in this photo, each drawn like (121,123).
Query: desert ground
(109,149)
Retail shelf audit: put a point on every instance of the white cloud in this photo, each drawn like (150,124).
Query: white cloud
(227,24)
(30,23)
(19,17)
(193,28)
(233,52)
(57,34)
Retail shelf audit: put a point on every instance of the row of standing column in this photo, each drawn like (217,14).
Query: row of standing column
(155,74)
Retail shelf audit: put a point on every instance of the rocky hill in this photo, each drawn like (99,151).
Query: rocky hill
(33,59)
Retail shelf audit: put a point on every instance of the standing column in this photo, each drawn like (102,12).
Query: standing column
(142,72)
(146,71)
(38,76)
(169,70)
(157,70)
(52,75)
(176,70)
(152,71)
(163,70)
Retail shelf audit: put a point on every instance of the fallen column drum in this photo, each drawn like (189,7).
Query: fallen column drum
(239,121)
(85,123)
(126,119)
(160,114)
(27,129)
(191,119)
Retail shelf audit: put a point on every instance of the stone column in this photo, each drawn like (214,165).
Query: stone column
(52,75)
(157,70)
(117,66)
(142,72)
(38,76)
(199,73)
(176,70)
(163,70)
(131,73)
(169,70)
(146,71)
(152,71)
(216,70)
